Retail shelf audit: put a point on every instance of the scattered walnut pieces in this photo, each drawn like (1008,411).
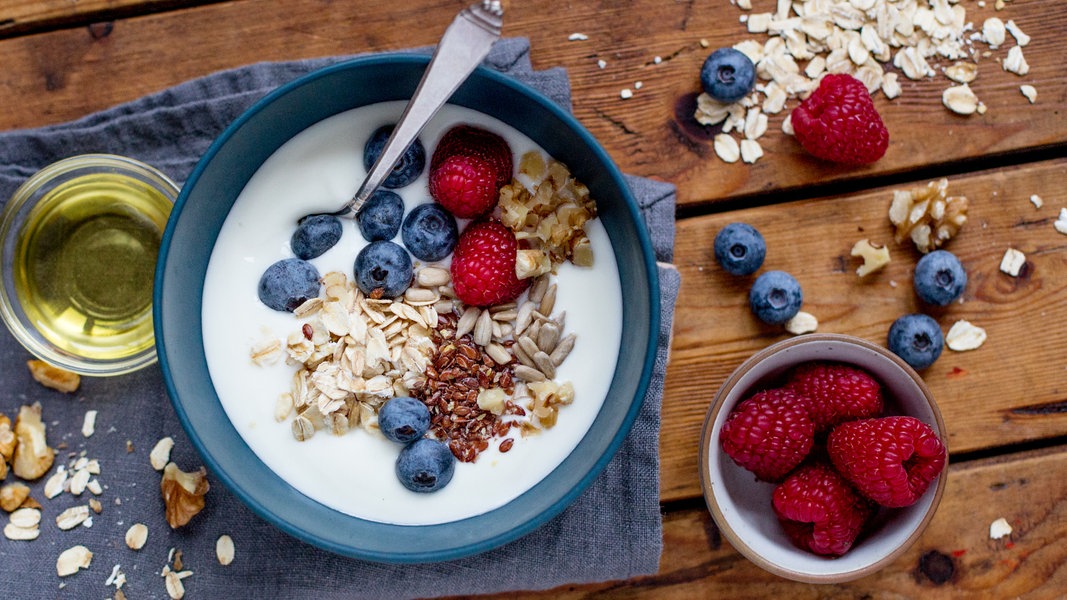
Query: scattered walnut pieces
(183,493)
(548,213)
(54,377)
(964,336)
(875,256)
(927,215)
(33,457)
(73,559)
(1013,262)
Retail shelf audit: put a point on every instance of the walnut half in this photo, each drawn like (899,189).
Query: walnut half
(183,493)
(33,458)
(927,215)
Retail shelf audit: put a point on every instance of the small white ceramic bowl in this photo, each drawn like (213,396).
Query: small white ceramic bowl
(741,505)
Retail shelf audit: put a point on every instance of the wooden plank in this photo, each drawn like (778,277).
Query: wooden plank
(22,16)
(65,74)
(954,559)
(1010,390)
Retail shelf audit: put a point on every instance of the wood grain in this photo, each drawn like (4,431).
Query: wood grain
(1010,390)
(61,75)
(954,559)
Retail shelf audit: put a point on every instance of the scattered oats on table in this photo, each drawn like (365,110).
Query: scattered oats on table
(963,336)
(1013,262)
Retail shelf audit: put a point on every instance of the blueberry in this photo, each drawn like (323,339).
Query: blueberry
(740,249)
(383,269)
(407,169)
(917,339)
(425,465)
(314,235)
(403,419)
(288,283)
(775,297)
(430,232)
(380,217)
(727,75)
(939,278)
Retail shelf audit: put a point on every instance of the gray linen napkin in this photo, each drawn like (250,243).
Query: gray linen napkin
(612,531)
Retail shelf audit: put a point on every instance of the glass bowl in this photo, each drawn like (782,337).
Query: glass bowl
(79,245)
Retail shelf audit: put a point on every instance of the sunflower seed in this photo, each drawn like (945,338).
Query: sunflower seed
(526,373)
(466,322)
(483,329)
(544,364)
(563,349)
(432,277)
(548,337)
(498,353)
(548,302)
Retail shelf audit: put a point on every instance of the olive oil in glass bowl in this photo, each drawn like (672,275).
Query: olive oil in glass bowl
(80,240)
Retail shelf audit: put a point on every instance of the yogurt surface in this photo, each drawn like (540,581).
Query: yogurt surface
(318,171)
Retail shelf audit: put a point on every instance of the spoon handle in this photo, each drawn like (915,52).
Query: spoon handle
(463,46)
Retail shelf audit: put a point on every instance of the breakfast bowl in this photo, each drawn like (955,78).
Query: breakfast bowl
(741,504)
(298,151)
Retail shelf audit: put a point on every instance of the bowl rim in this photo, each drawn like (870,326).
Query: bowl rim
(710,492)
(475,542)
(25,198)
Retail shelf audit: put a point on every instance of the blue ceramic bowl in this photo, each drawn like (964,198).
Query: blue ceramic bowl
(202,208)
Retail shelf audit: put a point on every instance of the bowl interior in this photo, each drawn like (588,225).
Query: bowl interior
(198,217)
(741,505)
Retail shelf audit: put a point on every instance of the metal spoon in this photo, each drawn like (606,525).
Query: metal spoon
(463,46)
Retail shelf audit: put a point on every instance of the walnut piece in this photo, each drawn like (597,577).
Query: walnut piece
(54,377)
(875,256)
(927,215)
(13,495)
(183,493)
(33,458)
(548,216)
(7,438)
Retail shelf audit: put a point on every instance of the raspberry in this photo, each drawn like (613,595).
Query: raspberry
(839,123)
(891,460)
(819,510)
(769,433)
(467,170)
(483,265)
(838,393)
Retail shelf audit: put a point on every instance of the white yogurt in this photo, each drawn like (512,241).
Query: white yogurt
(317,171)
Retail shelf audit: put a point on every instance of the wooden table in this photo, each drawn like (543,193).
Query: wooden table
(1005,404)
